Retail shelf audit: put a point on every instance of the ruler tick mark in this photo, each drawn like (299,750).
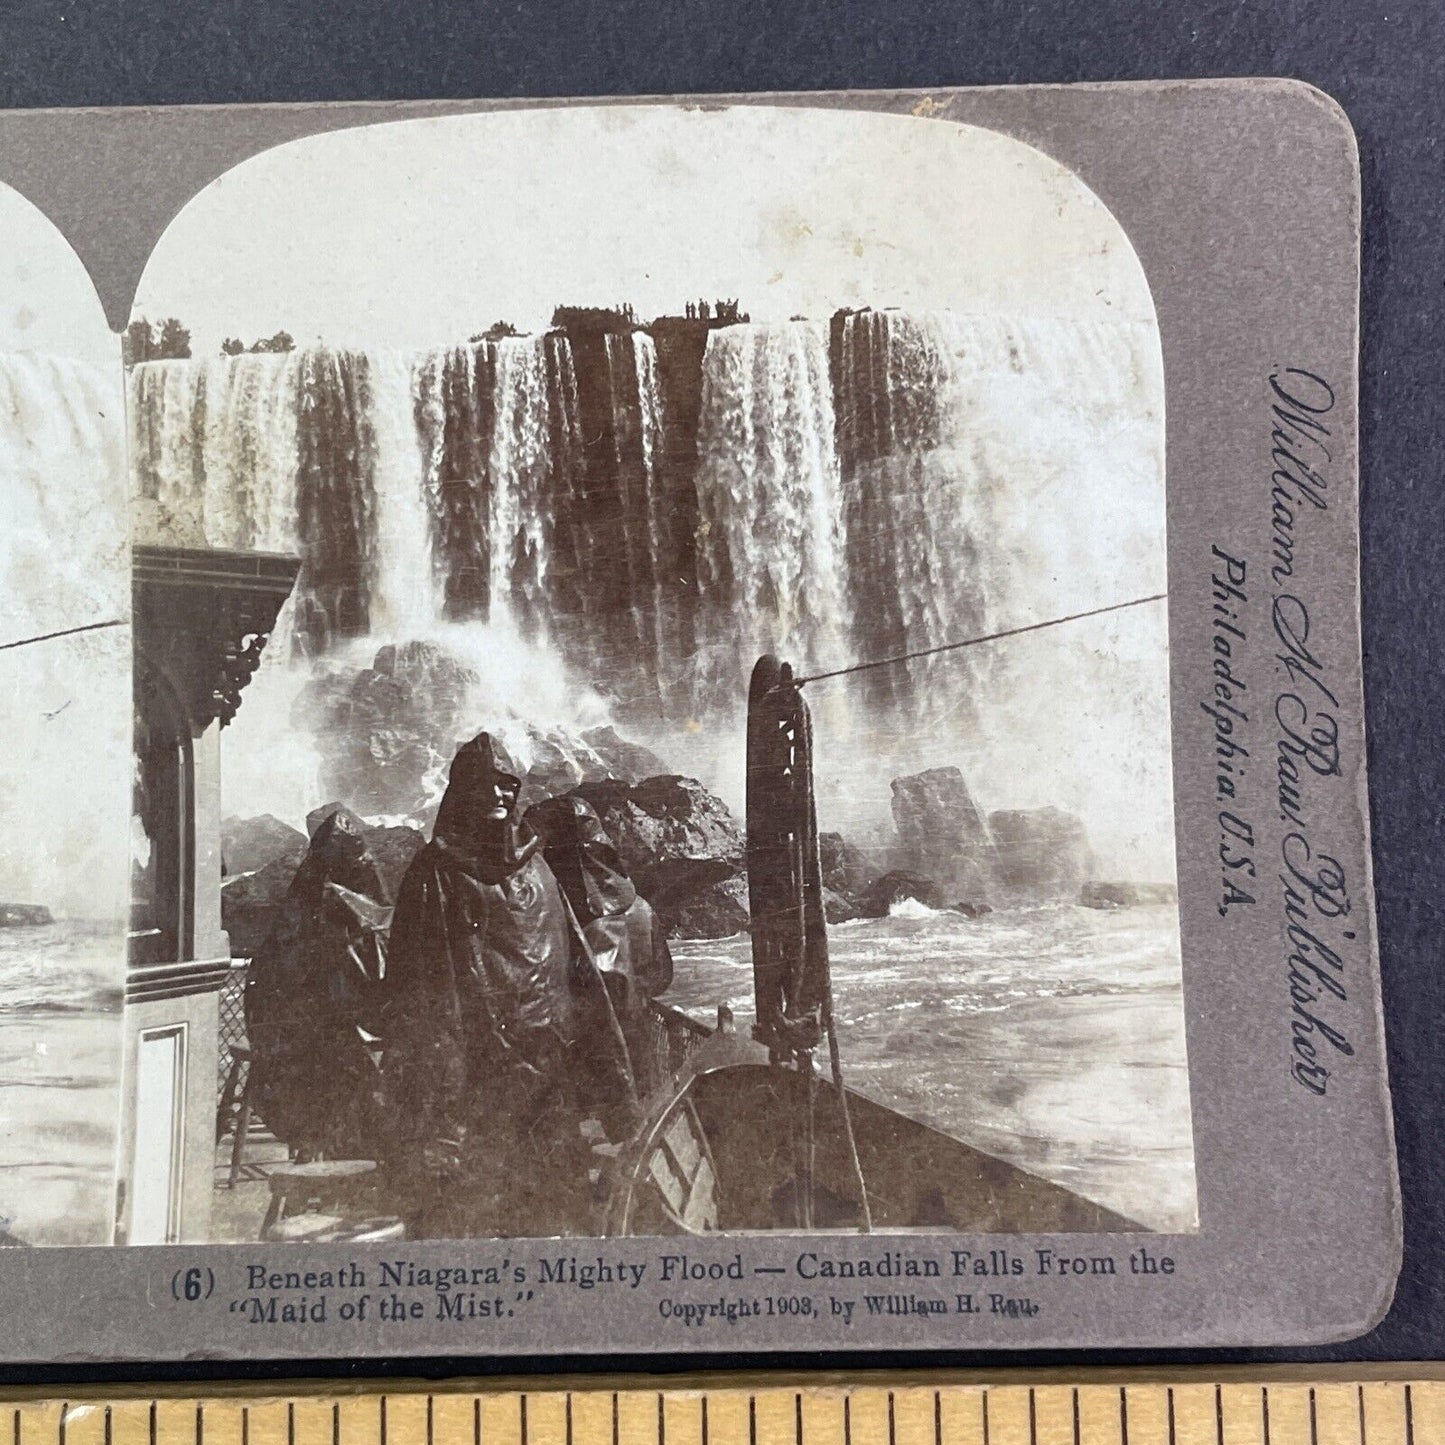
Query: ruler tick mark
(244,1431)
(1264,1404)
(201,1423)
(290,1422)
(429,1424)
(1219,1414)
(614,1418)
(1361,1389)
(704,1420)
(1314,1424)
(567,1407)
(1033,1418)
(64,1411)
(938,1418)
(108,1435)
(476,1421)
(752,1420)
(336,1423)
(1169,1399)
(1409,1418)
(892,1430)
(524,1420)
(1123,1416)
(847,1420)
(1076,1415)
(661,1421)
(983,1395)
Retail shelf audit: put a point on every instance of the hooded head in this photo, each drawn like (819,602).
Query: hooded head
(339,854)
(581,854)
(478,812)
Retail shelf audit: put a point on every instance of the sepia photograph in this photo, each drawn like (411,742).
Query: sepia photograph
(65,769)
(650,682)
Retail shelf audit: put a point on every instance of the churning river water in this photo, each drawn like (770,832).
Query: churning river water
(1052,1037)
(60,1045)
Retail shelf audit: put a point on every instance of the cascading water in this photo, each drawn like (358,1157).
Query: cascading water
(768,487)
(533,439)
(636,418)
(882,483)
(65,771)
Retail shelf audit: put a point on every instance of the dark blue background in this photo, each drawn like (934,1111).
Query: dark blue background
(1381,60)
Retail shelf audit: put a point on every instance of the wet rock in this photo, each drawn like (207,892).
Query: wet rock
(664,818)
(1100,894)
(670,883)
(846,869)
(251,843)
(386,733)
(25,915)
(1108,895)
(838,907)
(971,910)
(719,911)
(1040,853)
(898,886)
(249,902)
(619,758)
(682,847)
(941,833)
(552,773)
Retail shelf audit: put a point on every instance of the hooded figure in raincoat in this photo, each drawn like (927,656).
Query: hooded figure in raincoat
(311,990)
(501,1037)
(626,939)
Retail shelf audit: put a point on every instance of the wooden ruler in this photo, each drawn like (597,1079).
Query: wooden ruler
(1405,1406)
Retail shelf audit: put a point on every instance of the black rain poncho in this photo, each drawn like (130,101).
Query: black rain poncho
(501,1038)
(312,988)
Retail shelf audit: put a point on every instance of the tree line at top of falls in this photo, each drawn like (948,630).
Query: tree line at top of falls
(170,340)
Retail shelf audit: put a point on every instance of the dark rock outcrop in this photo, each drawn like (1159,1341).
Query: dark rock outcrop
(846,869)
(899,886)
(251,843)
(663,818)
(719,911)
(683,848)
(1102,894)
(249,902)
(941,833)
(387,732)
(1040,853)
(25,915)
(618,757)
(563,761)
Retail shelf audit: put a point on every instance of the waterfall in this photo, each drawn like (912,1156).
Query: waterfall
(406,599)
(644,510)
(533,440)
(215,443)
(65,771)
(769,574)
(644,544)
(454,411)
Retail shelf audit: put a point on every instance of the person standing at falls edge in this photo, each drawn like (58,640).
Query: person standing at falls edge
(500,1036)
